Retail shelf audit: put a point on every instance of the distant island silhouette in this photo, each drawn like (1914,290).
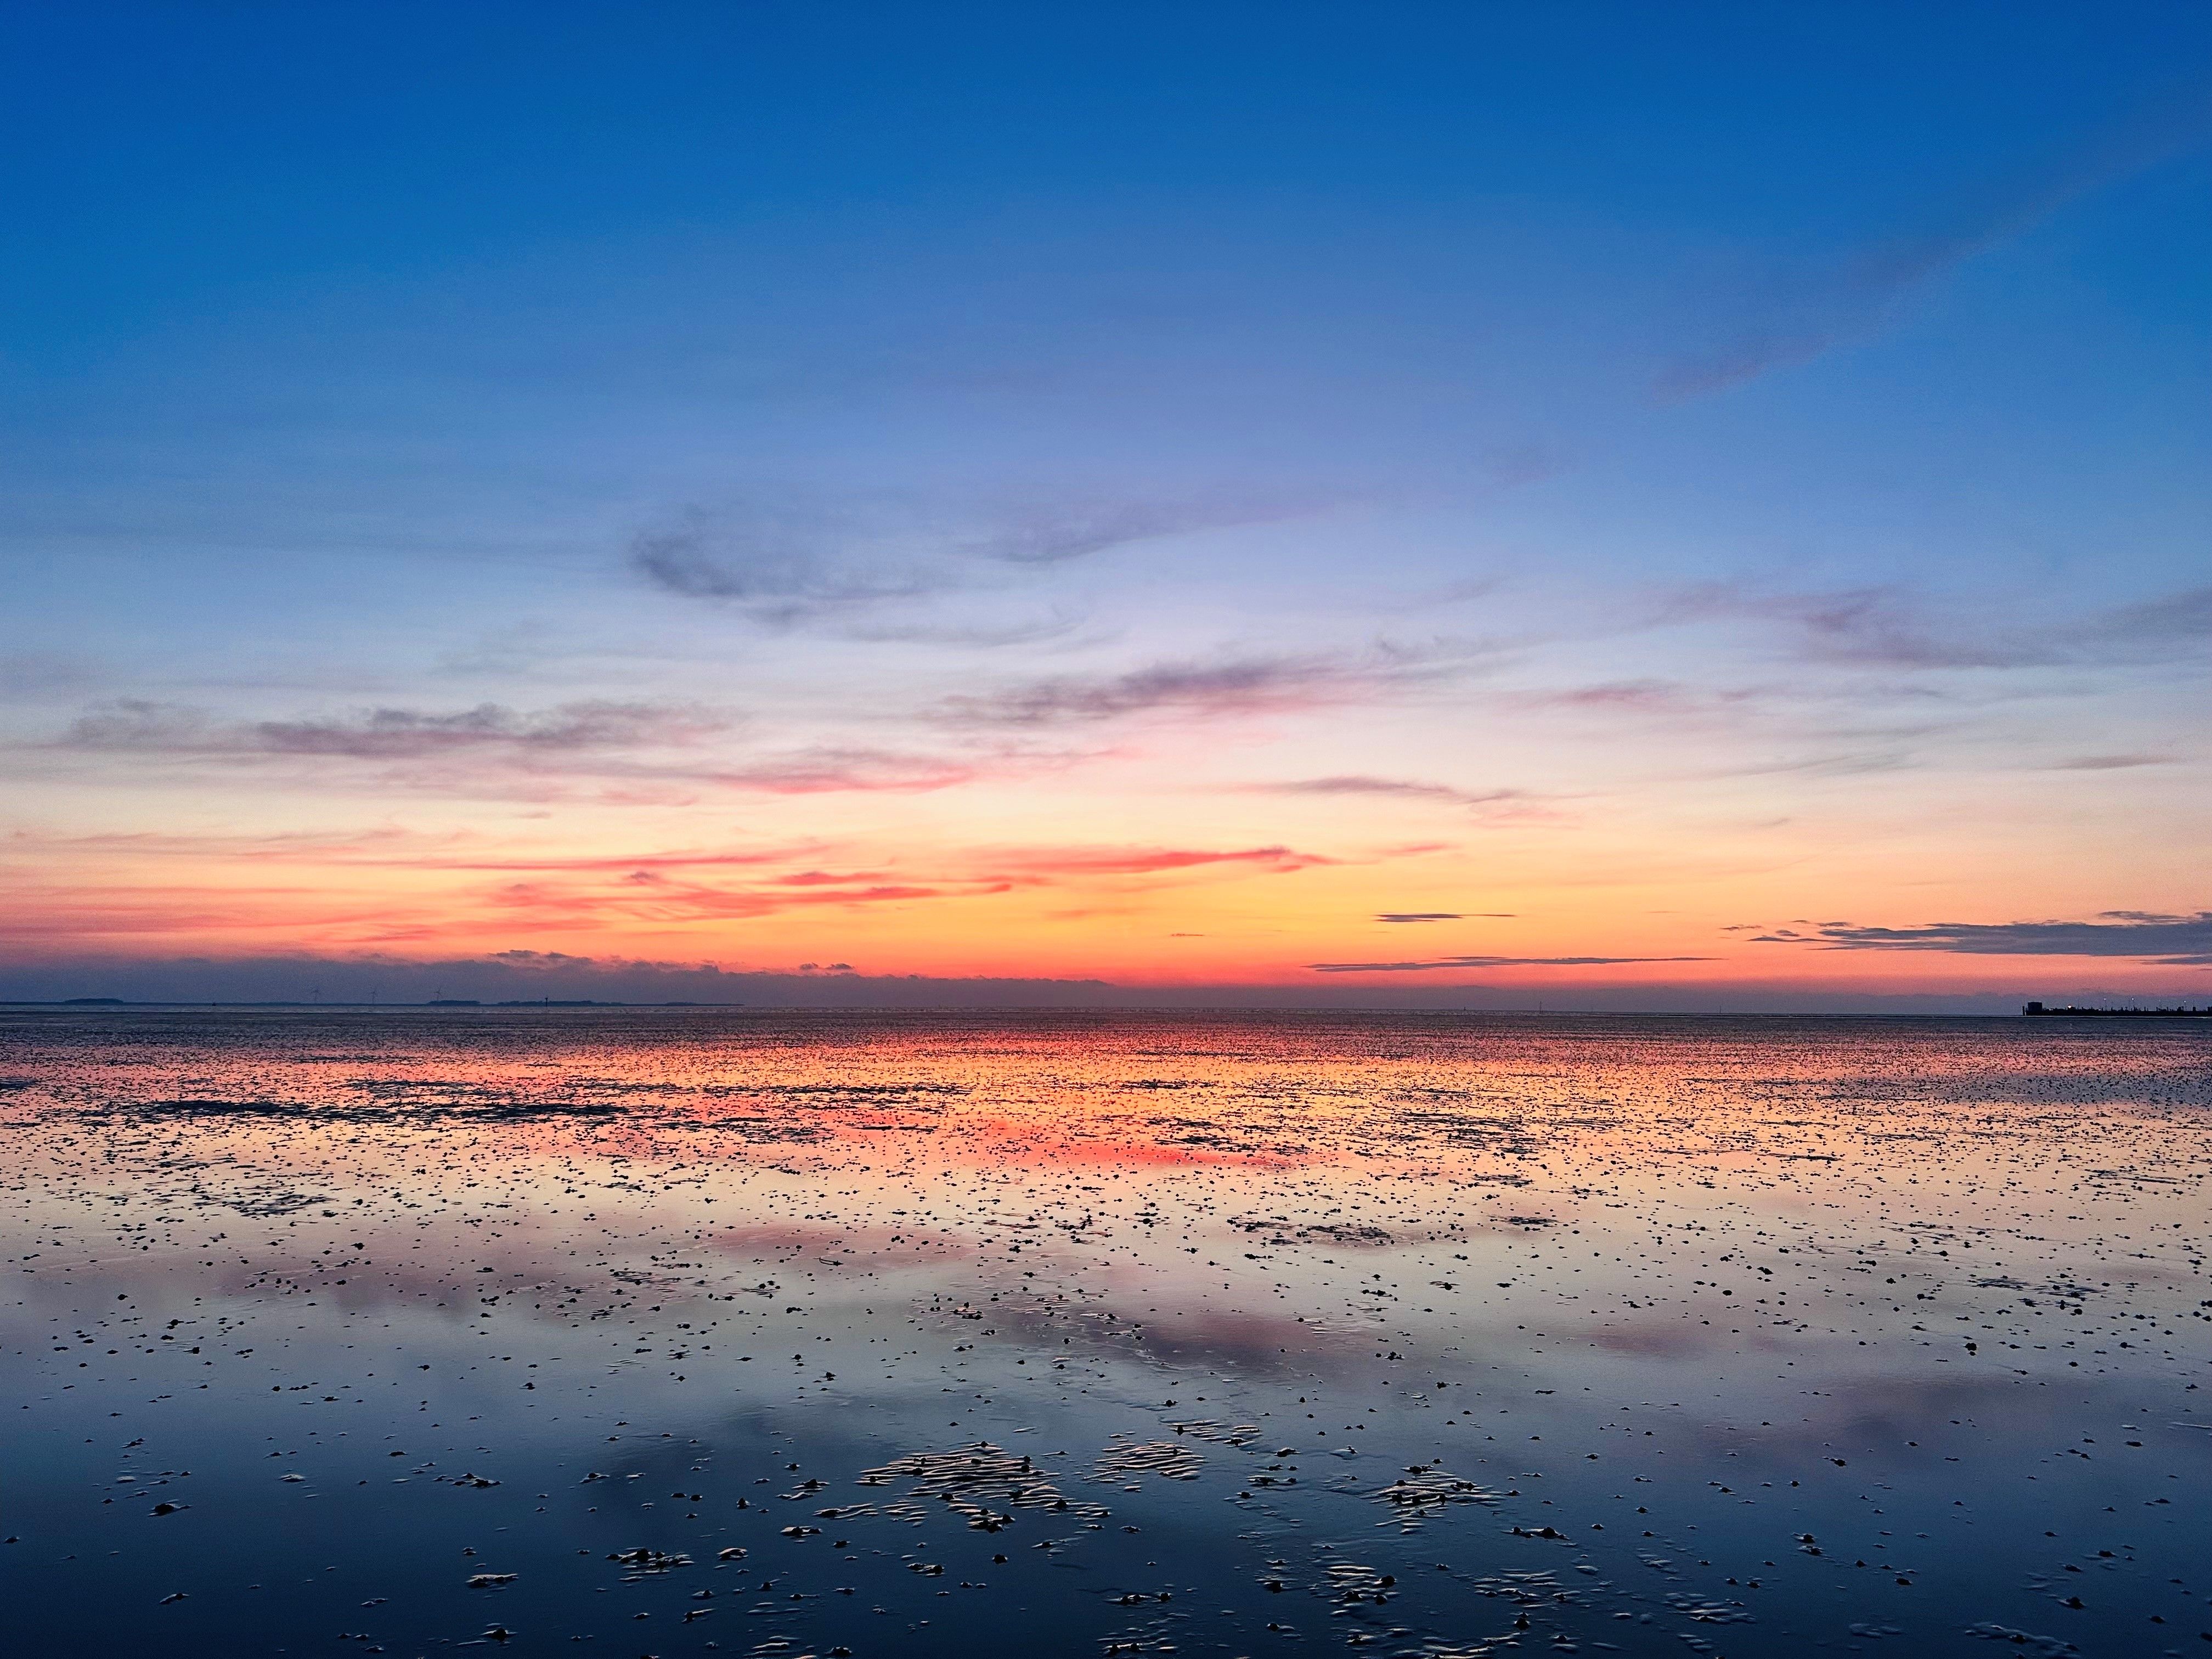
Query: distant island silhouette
(2036,1010)
(435,1002)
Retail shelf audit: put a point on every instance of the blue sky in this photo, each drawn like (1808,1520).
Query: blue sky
(1712,425)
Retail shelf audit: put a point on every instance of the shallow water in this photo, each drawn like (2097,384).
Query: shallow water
(664,1331)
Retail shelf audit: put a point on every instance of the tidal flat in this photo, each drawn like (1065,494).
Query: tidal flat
(662,1332)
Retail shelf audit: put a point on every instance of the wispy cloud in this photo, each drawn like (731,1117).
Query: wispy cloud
(1436,963)
(793,562)
(385,734)
(1051,623)
(1402,788)
(1890,626)
(2183,618)
(1235,685)
(1793,314)
(1055,534)
(830,770)
(1062,862)
(780,567)
(49,915)
(2143,936)
(679,888)
(1872,627)
(1647,698)
(615,864)
(1445,915)
(655,897)
(554,888)
(1849,763)
(1246,686)
(641,751)
(2108,762)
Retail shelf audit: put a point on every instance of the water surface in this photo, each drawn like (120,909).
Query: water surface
(665,1332)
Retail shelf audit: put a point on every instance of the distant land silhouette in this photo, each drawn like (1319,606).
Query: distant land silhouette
(434,1002)
(2036,1010)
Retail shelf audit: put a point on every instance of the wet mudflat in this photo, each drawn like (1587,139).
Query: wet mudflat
(641,1332)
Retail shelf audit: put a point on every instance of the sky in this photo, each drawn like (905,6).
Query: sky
(1459,505)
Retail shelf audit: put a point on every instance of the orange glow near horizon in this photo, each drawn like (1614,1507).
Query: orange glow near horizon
(1331,891)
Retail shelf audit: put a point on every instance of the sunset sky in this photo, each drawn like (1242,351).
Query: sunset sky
(1625,507)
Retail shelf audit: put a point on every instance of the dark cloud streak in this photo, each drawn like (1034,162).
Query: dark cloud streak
(1441,963)
(1231,686)
(2177,940)
(136,726)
